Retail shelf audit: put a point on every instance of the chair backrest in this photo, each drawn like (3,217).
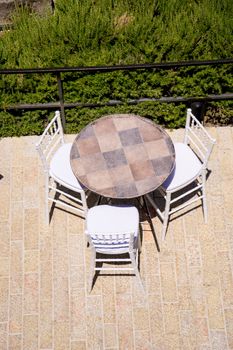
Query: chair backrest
(198,138)
(50,139)
(111,241)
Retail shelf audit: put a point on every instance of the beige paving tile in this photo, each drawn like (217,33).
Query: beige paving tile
(31,293)
(229,326)
(17,184)
(15,342)
(181,268)
(171,319)
(142,340)
(31,261)
(94,321)
(4,267)
(78,315)
(4,300)
(226,278)
(214,303)
(46,324)
(61,335)
(5,197)
(4,239)
(46,279)
(184,298)
(16,283)
(17,220)
(30,186)
(31,228)
(77,277)
(61,298)
(3,335)
(124,321)
(168,282)
(15,313)
(110,335)
(218,340)
(30,332)
(141,318)
(156,319)
(78,345)
(109,300)
(197,292)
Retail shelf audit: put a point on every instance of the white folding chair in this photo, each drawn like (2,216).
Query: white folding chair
(191,166)
(113,230)
(59,177)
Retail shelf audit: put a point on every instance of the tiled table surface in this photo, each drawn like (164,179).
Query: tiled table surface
(122,156)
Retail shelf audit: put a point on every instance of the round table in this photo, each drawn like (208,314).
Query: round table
(122,156)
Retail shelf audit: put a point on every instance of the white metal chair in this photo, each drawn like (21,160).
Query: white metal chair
(191,166)
(113,230)
(59,177)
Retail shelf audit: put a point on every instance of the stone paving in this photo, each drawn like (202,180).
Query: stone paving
(44,303)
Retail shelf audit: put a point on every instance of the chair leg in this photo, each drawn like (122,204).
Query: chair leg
(92,269)
(47,199)
(166,215)
(139,243)
(204,203)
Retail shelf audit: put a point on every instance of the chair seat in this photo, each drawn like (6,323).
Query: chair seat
(109,219)
(187,168)
(60,168)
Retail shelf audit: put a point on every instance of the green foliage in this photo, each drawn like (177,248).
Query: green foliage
(161,113)
(108,32)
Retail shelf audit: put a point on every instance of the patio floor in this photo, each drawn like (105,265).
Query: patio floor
(44,302)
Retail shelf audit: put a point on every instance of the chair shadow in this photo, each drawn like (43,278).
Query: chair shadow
(91,201)
(98,274)
(116,263)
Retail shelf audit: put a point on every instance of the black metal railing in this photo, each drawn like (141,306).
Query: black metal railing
(61,104)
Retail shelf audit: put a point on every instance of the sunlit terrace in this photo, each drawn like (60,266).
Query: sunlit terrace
(44,301)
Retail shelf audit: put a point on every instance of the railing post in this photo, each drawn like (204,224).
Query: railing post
(198,109)
(61,99)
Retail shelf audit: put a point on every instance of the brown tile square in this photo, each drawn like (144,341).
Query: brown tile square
(124,122)
(83,180)
(87,132)
(109,142)
(148,185)
(74,153)
(135,153)
(127,190)
(162,166)
(88,146)
(77,167)
(104,126)
(100,180)
(109,192)
(121,175)
(130,137)
(114,158)
(157,149)
(93,162)
(142,170)
(149,132)
(170,145)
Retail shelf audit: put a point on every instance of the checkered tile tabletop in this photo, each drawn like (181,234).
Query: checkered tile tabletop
(122,156)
